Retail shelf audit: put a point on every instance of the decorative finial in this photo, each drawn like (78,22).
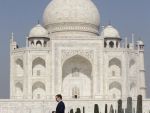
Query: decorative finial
(12,36)
(38,21)
(133,38)
(109,23)
(126,42)
(140,38)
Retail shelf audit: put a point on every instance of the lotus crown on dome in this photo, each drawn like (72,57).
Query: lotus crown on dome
(110,32)
(38,31)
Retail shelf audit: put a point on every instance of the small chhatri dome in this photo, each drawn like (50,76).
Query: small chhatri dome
(71,15)
(140,42)
(110,32)
(38,31)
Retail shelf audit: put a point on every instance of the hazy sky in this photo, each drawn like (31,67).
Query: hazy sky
(19,16)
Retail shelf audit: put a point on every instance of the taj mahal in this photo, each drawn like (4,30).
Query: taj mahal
(71,54)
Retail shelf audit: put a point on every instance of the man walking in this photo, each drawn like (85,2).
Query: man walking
(60,106)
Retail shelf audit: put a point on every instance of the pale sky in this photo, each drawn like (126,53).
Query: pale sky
(19,16)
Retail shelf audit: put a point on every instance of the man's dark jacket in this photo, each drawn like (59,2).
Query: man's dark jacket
(60,107)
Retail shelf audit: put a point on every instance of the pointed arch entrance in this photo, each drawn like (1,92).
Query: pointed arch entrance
(38,90)
(77,77)
(115,90)
(19,90)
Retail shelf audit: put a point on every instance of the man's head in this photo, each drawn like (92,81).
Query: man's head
(58,97)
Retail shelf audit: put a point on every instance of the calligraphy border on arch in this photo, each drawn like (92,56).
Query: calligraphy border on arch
(87,53)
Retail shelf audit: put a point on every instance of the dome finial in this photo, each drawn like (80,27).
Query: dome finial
(133,38)
(38,21)
(109,22)
(12,36)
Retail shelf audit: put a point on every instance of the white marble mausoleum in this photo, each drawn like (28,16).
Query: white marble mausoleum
(71,54)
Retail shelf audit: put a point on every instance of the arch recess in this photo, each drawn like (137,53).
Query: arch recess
(38,90)
(133,91)
(77,63)
(32,43)
(19,90)
(111,44)
(115,90)
(19,67)
(131,63)
(38,67)
(78,70)
(39,43)
(115,67)
(132,68)
(115,61)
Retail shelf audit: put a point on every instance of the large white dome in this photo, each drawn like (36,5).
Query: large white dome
(71,15)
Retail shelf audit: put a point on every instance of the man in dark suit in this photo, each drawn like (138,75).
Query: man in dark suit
(60,106)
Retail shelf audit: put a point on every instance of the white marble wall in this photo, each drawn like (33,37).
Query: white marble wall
(112,69)
(47,106)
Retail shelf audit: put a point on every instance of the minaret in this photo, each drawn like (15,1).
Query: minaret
(131,45)
(140,47)
(13,44)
